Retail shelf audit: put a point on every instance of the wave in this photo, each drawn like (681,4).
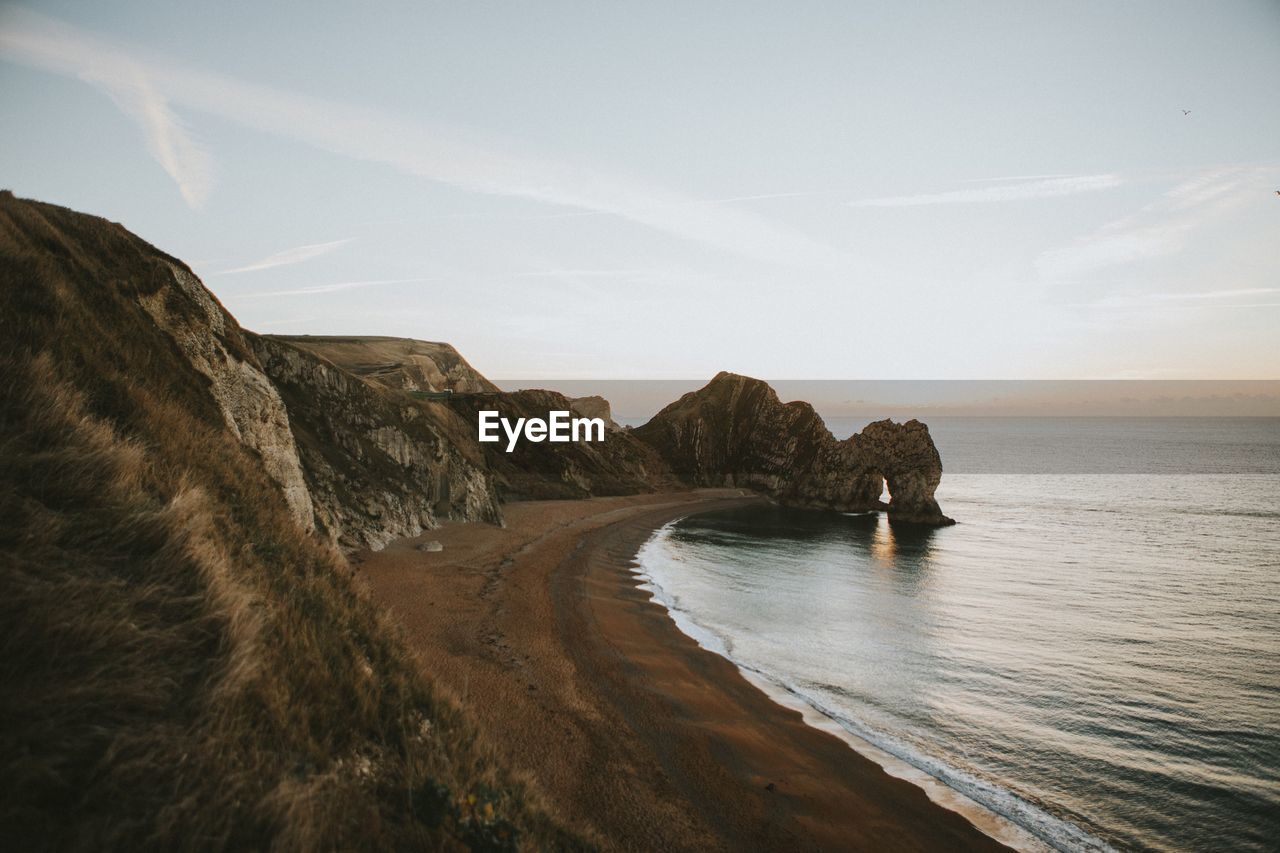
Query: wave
(1017,822)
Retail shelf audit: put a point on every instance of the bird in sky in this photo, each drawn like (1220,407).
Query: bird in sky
(1186,112)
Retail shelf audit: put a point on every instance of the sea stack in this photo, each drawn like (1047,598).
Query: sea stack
(905,455)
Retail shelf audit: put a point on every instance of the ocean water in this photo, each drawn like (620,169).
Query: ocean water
(1092,653)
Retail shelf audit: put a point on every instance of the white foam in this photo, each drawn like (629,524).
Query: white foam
(993,810)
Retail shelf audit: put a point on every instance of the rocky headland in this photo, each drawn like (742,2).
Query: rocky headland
(735,431)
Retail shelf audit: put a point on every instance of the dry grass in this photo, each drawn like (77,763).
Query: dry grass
(180,666)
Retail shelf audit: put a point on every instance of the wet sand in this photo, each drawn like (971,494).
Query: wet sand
(633,734)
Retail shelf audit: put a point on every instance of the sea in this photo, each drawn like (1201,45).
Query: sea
(1088,660)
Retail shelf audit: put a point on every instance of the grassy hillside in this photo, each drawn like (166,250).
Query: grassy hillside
(396,363)
(181,666)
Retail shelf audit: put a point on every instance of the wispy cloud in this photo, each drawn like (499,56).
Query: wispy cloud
(695,202)
(1003,178)
(770,196)
(287,257)
(130,85)
(289,321)
(1158,228)
(1007,189)
(585,273)
(1214,298)
(449,155)
(331,288)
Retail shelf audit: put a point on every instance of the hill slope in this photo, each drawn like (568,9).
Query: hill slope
(184,665)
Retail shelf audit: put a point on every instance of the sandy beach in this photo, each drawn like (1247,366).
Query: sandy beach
(633,734)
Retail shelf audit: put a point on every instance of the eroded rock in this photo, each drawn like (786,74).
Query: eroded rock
(254,412)
(379,464)
(905,455)
(736,432)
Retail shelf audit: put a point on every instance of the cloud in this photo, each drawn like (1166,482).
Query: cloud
(450,155)
(1009,189)
(168,140)
(584,273)
(130,86)
(1190,300)
(331,288)
(1004,178)
(737,199)
(1158,228)
(287,257)
(763,196)
(289,321)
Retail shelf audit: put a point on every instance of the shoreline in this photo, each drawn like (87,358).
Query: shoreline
(984,818)
(636,735)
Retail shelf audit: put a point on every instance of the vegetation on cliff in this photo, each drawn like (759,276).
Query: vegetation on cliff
(399,364)
(183,665)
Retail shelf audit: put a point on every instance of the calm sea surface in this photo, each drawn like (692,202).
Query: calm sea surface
(1093,652)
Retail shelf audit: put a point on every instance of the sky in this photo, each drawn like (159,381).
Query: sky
(1076,190)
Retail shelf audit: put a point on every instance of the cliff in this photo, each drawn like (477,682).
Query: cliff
(378,464)
(736,432)
(381,462)
(185,664)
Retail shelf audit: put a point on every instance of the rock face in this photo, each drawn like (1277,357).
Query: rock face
(907,458)
(214,345)
(379,464)
(354,461)
(400,364)
(736,432)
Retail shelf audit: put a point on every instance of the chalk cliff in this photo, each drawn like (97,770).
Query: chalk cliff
(353,459)
(736,432)
(214,345)
(379,464)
